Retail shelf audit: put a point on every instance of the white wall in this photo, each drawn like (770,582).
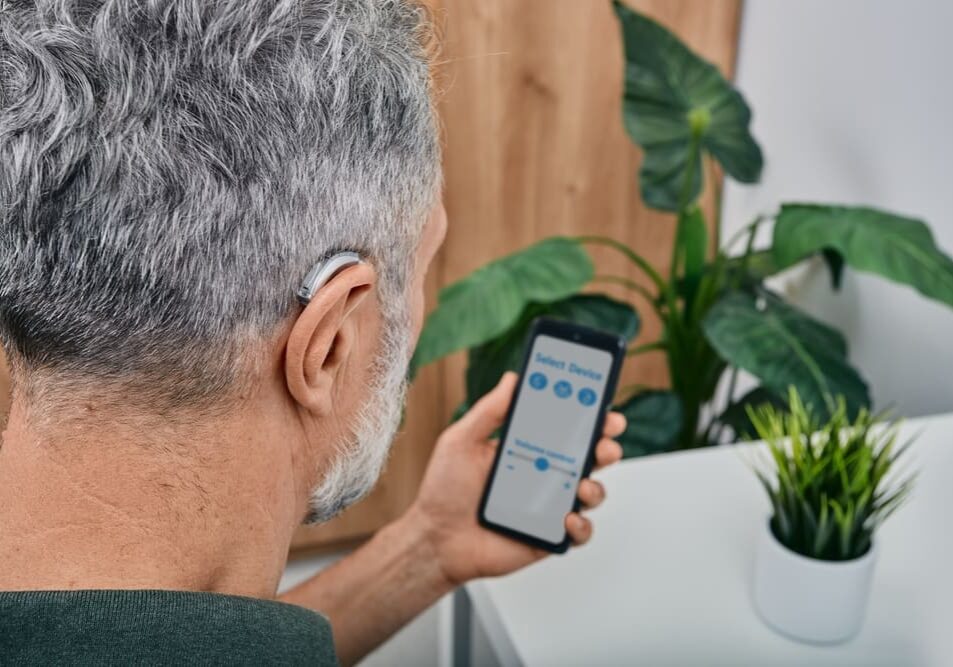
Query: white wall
(853,103)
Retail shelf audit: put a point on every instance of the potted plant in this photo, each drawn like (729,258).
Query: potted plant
(831,482)
(718,312)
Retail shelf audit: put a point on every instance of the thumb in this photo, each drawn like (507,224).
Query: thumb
(488,413)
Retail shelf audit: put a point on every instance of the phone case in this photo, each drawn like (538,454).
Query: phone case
(573,333)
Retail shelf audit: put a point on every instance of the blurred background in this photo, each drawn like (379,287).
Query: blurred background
(851,104)
(849,101)
(529,97)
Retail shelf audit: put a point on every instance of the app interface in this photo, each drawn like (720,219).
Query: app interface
(548,438)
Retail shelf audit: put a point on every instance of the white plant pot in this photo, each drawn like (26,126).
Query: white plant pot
(810,600)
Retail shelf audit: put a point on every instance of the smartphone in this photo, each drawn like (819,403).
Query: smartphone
(548,440)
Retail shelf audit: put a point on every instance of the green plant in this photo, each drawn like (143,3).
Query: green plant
(828,480)
(718,315)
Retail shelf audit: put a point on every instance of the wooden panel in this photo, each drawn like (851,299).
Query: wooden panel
(530,99)
(534,139)
(534,146)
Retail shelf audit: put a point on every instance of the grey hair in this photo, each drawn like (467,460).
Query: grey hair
(170,170)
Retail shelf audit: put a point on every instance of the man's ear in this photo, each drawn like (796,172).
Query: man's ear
(324,335)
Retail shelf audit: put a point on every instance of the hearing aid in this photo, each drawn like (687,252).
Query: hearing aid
(323,271)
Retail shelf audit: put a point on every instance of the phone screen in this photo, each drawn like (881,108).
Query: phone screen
(548,438)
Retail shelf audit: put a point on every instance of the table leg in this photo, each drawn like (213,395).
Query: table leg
(462,628)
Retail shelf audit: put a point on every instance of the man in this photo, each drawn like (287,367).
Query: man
(170,170)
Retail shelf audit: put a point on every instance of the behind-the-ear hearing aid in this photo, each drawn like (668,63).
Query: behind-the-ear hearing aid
(323,271)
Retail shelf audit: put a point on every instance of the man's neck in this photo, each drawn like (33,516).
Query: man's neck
(109,503)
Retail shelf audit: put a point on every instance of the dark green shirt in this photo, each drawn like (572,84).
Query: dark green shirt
(158,627)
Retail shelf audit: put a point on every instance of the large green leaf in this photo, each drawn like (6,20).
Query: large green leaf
(784,347)
(486,303)
(900,249)
(736,415)
(504,353)
(654,422)
(751,269)
(675,105)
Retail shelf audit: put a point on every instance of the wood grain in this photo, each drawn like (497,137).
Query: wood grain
(529,96)
(534,139)
(530,100)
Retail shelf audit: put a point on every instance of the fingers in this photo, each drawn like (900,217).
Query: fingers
(488,413)
(615,425)
(607,452)
(591,493)
(579,528)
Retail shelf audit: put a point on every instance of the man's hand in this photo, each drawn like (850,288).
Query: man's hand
(453,484)
(437,544)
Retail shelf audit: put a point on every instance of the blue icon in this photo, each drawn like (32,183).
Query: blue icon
(542,463)
(587,396)
(568,485)
(563,389)
(538,381)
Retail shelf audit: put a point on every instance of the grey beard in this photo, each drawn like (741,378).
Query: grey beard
(360,459)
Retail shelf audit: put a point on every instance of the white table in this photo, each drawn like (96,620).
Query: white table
(667,577)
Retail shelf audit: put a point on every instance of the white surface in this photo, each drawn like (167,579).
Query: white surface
(851,104)
(300,569)
(808,599)
(667,579)
(420,643)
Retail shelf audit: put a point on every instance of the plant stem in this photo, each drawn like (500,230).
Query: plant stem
(719,187)
(747,229)
(647,347)
(629,284)
(746,257)
(694,154)
(636,259)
